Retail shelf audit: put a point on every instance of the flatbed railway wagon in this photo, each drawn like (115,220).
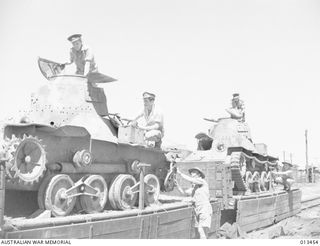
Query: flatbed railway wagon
(239,176)
(68,165)
(70,169)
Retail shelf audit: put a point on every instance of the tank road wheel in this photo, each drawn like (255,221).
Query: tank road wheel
(256,181)
(42,191)
(264,181)
(28,159)
(248,181)
(121,195)
(96,203)
(152,189)
(269,181)
(56,198)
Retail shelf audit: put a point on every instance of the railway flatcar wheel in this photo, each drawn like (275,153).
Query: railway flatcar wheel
(248,181)
(56,199)
(263,181)
(152,189)
(121,195)
(95,204)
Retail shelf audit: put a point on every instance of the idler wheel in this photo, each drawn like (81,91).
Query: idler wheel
(152,189)
(121,195)
(57,200)
(96,203)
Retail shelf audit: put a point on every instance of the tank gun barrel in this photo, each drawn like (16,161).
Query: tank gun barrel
(210,120)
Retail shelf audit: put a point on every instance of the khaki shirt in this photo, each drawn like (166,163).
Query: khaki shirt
(201,198)
(240,108)
(81,57)
(155,117)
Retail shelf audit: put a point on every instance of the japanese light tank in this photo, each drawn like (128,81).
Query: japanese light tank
(66,147)
(230,140)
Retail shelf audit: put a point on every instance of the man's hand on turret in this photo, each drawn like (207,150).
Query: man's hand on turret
(133,123)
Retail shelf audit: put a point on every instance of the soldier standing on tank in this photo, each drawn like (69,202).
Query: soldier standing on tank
(153,121)
(81,55)
(285,177)
(199,192)
(237,108)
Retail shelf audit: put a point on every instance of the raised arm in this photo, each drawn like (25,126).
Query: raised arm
(197,181)
(186,192)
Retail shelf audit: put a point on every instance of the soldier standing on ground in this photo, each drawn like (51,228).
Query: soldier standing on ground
(153,125)
(200,198)
(285,177)
(82,56)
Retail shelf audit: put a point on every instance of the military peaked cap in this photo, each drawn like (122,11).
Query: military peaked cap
(148,95)
(74,37)
(235,94)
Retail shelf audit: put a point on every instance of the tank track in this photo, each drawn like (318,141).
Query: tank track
(249,178)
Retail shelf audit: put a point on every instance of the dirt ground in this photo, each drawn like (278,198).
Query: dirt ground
(306,224)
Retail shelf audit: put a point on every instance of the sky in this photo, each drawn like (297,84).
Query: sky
(192,54)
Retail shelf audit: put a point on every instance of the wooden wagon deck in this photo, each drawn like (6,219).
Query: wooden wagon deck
(171,220)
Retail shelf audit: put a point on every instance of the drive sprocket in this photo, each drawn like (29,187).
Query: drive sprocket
(26,159)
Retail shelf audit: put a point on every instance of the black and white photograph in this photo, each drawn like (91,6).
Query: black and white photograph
(149,119)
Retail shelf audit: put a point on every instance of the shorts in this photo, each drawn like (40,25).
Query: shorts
(203,220)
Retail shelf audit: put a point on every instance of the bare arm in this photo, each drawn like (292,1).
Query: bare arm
(187,192)
(235,113)
(86,68)
(197,181)
(134,121)
(287,173)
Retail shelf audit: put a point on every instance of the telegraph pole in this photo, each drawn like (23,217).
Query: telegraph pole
(307,164)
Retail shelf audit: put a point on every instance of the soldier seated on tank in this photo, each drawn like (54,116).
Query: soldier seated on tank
(82,56)
(237,108)
(285,177)
(152,121)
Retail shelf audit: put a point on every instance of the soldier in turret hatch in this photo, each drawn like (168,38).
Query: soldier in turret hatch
(81,55)
(237,110)
(153,121)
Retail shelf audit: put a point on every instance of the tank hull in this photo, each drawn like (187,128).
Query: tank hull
(108,158)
